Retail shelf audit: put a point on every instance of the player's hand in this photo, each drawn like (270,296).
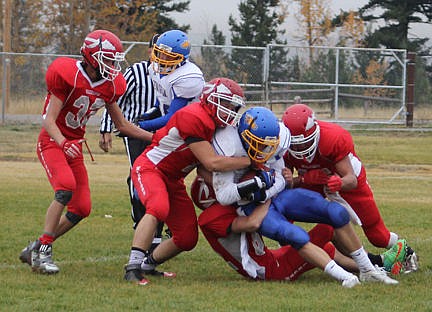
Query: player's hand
(151,113)
(268,178)
(334,183)
(259,196)
(72,148)
(105,141)
(315,177)
(288,176)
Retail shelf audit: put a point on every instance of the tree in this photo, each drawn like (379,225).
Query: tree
(258,27)
(315,19)
(214,59)
(397,15)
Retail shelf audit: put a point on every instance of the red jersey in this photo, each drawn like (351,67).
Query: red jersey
(334,144)
(82,98)
(246,252)
(169,151)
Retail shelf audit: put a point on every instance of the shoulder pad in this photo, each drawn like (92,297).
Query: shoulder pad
(226,141)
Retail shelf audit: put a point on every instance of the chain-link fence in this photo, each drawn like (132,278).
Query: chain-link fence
(341,84)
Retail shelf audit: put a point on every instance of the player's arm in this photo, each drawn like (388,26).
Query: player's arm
(252,222)
(124,126)
(346,173)
(211,161)
(49,120)
(157,123)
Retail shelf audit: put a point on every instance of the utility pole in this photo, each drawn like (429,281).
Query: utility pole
(7,22)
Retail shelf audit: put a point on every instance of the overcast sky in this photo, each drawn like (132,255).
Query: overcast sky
(203,14)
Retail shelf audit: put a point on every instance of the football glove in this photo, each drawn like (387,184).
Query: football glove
(315,177)
(268,178)
(151,113)
(259,196)
(71,148)
(334,183)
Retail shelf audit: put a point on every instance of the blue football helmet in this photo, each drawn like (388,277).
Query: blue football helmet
(259,133)
(170,51)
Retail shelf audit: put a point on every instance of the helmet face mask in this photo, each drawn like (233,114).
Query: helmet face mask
(170,51)
(223,98)
(305,131)
(259,132)
(103,51)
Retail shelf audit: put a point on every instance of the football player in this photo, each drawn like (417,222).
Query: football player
(260,135)
(177,81)
(324,156)
(76,90)
(158,175)
(236,239)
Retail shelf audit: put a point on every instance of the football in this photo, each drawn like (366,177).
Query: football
(249,174)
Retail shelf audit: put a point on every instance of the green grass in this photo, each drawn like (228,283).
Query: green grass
(91,257)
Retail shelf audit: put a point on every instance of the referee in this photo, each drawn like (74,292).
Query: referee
(138,99)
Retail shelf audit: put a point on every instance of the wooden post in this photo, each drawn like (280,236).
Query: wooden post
(7,22)
(410,88)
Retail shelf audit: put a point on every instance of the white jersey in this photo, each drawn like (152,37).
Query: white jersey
(187,81)
(227,142)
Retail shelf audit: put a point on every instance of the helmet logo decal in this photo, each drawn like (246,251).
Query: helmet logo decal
(223,89)
(310,122)
(250,121)
(185,44)
(97,42)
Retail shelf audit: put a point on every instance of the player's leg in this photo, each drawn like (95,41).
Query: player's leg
(62,180)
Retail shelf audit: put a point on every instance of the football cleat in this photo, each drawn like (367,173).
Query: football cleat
(134,274)
(41,260)
(377,275)
(395,254)
(25,255)
(411,262)
(351,282)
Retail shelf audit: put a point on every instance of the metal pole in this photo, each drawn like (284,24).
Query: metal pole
(336,99)
(410,88)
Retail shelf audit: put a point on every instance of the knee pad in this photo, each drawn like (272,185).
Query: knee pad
(63,197)
(186,243)
(338,215)
(73,218)
(296,236)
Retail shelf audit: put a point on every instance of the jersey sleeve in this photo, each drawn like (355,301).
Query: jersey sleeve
(55,81)
(343,145)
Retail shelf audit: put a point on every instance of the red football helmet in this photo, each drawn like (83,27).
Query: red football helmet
(223,98)
(305,131)
(103,51)
(202,194)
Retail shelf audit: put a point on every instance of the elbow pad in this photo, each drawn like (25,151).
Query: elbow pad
(246,188)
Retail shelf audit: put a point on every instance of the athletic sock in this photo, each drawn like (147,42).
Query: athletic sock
(46,239)
(337,272)
(361,258)
(136,256)
(376,259)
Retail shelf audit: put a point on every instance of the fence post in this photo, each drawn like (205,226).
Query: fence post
(410,88)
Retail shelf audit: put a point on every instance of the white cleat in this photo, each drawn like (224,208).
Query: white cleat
(377,275)
(42,262)
(351,282)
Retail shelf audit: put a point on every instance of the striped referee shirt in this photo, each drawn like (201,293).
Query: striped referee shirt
(138,98)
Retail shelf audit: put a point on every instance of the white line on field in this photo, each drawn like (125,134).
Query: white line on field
(87,260)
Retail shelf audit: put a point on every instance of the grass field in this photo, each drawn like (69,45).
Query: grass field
(91,257)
